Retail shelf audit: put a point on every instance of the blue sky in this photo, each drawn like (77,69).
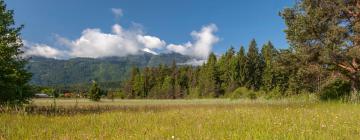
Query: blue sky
(172,21)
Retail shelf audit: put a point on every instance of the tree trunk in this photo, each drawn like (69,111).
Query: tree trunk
(354,87)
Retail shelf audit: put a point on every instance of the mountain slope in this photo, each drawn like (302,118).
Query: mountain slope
(47,71)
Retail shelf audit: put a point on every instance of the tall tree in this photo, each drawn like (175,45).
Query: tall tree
(130,84)
(253,66)
(14,87)
(327,32)
(210,82)
(174,75)
(268,52)
(241,57)
(227,66)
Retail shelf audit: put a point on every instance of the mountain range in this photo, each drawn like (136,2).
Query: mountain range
(50,71)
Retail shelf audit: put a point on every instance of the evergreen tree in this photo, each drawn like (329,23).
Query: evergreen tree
(241,59)
(253,67)
(212,81)
(129,85)
(227,66)
(174,74)
(268,53)
(14,87)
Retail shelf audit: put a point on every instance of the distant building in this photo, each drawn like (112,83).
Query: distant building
(41,95)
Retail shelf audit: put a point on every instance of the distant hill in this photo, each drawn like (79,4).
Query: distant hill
(47,71)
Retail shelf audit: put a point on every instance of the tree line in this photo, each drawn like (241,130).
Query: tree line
(266,69)
(323,58)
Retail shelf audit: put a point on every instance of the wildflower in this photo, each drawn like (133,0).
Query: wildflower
(173,137)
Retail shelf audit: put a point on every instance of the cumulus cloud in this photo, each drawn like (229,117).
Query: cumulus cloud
(151,42)
(41,50)
(94,43)
(202,45)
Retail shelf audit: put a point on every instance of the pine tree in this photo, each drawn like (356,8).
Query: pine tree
(326,32)
(14,87)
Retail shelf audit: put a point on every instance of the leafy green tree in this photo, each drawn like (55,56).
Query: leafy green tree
(95,92)
(327,32)
(14,87)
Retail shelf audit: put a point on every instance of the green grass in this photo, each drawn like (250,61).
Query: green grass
(189,119)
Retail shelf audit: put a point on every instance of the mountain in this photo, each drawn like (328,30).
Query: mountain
(48,71)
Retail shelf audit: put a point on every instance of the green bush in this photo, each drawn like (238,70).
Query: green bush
(339,89)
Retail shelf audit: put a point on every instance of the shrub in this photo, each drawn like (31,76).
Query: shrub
(95,92)
(338,89)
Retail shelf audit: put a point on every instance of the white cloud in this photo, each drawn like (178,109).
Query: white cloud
(184,49)
(41,50)
(202,45)
(151,42)
(117,29)
(94,43)
(118,12)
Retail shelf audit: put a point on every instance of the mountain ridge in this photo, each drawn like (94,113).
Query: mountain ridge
(51,71)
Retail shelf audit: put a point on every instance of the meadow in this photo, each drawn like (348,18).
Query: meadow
(186,119)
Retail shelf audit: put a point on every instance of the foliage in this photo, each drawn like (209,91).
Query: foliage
(14,87)
(326,33)
(95,92)
(336,90)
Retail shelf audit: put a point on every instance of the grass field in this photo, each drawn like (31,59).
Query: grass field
(188,119)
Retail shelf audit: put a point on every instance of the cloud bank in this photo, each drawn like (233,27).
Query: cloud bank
(41,50)
(94,43)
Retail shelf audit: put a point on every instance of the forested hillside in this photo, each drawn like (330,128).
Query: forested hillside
(47,71)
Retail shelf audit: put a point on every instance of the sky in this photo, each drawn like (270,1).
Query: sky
(93,28)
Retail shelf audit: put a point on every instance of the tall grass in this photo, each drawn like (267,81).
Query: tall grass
(191,119)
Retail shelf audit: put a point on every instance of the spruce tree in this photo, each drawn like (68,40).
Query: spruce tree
(268,53)
(241,59)
(253,67)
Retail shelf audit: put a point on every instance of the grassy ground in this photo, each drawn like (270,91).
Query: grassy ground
(189,119)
